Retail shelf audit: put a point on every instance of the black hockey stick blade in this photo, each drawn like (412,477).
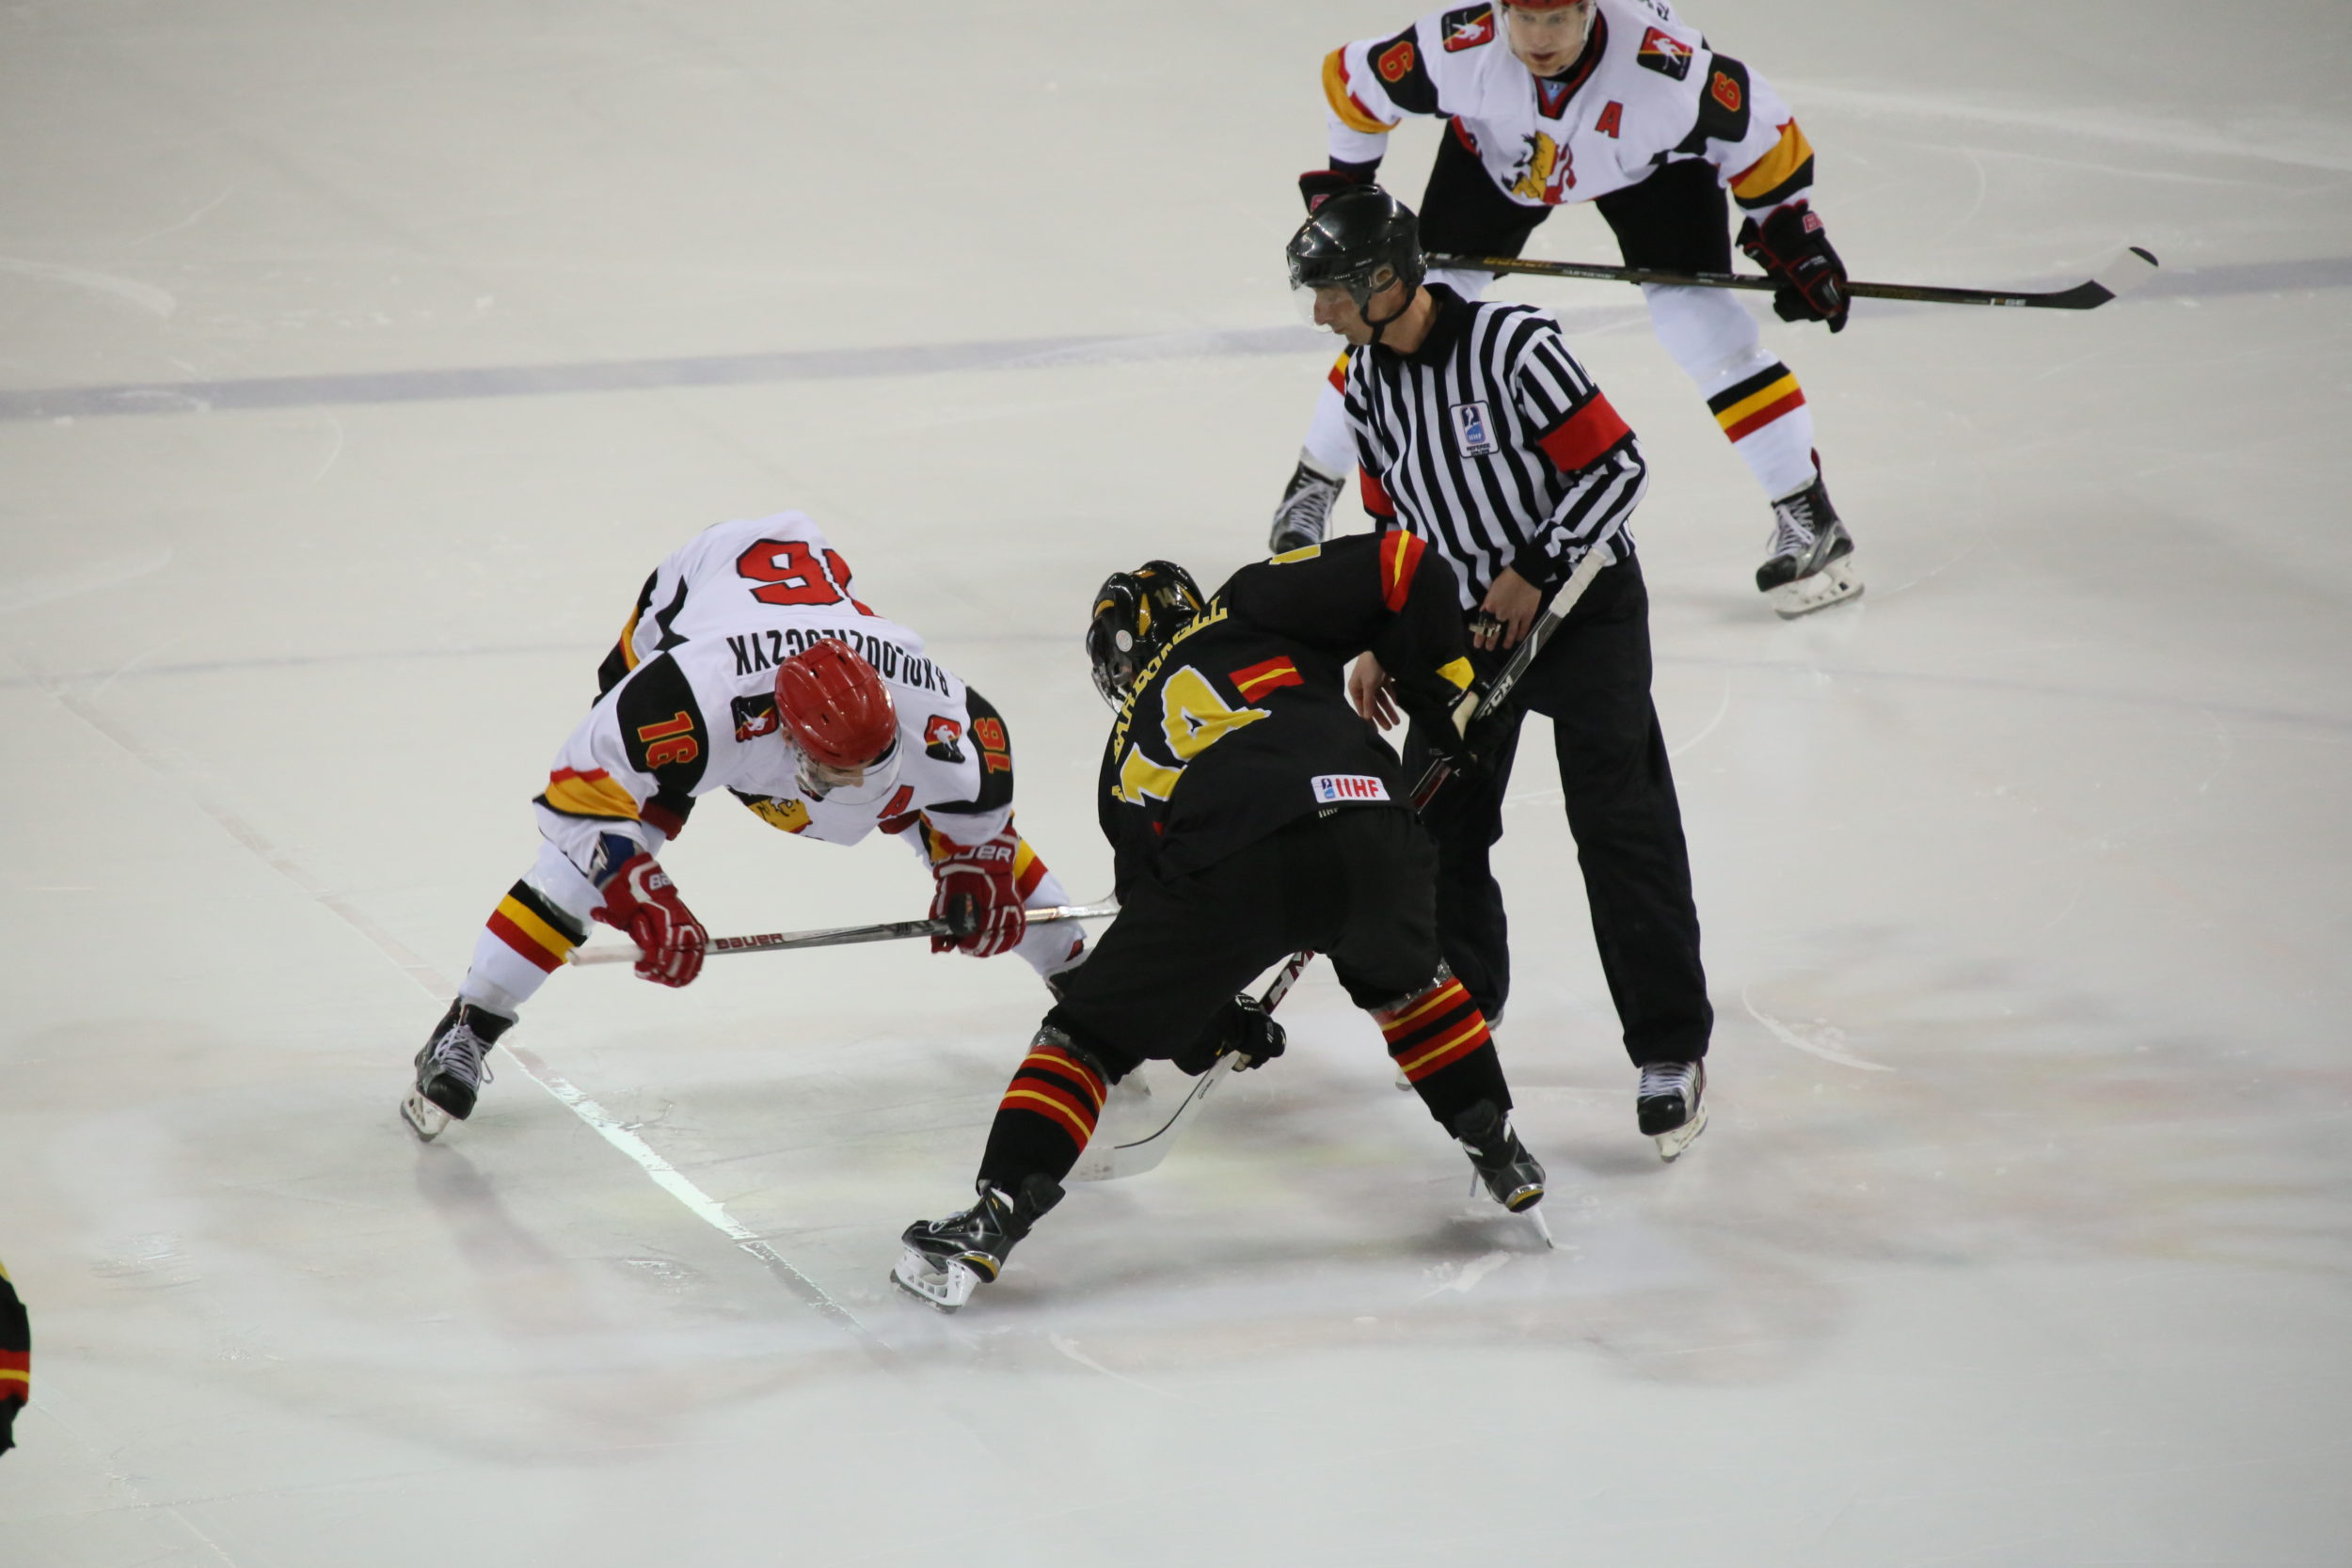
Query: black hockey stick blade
(2133,268)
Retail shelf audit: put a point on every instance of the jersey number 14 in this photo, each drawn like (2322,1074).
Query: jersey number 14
(1193,717)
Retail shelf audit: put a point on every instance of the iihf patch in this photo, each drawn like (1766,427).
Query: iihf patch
(1665,55)
(1337,788)
(940,737)
(1472,435)
(1467,28)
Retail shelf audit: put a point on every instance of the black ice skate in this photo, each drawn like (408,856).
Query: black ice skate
(1812,555)
(945,1260)
(1512,1175)
(450,1070)
(1672,1105)
(1305,513)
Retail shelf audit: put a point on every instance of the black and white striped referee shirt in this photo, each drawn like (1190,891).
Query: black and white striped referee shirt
(1490,442)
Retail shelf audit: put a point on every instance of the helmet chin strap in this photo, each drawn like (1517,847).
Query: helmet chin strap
(1388,321)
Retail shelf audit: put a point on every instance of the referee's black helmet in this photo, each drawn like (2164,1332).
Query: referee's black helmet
(1135,615)
(1361,240)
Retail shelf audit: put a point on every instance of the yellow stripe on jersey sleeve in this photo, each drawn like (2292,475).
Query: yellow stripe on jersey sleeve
(595,793)
(1342,101)
(1773,169)
(1460,674)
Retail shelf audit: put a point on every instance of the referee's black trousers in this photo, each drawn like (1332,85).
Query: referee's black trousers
(1593,681)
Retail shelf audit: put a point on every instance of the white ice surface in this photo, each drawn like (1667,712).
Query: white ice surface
(2019,1235)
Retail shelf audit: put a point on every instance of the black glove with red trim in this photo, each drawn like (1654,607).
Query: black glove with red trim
(1319,185)
(642,900)
(976,892)
(1795,250)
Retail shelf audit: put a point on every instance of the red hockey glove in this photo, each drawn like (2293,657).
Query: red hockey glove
(974,894)
(642,900)
(1794,248)
(1319,185)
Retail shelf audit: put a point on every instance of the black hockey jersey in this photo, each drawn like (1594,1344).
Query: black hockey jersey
(1241,724)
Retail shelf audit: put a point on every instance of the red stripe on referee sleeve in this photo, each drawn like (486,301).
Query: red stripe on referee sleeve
(1580,439)
(1400,558)
(1375,495)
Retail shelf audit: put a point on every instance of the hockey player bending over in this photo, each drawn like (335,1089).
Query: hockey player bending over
(1251,815)
(748,666)
(1621,104)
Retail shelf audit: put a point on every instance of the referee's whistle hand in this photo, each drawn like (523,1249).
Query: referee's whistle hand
(1513,602)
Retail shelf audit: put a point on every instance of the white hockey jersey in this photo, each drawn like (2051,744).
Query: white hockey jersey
(1647,91)
(689,707)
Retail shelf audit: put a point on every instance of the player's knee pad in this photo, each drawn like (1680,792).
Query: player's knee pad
(1706,331)
(1384,1011)
(1109,1061)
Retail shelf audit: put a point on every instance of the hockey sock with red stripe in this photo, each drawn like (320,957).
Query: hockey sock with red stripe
(1440,1043)
(1047,1117)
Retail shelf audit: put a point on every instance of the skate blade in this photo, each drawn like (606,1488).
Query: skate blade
(1404,1083)
(1543,1226)
(1837,580)
(424,1119)
(1671,1145)
(945,1289)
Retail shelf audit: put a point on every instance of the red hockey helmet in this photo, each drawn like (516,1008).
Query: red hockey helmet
(838,709)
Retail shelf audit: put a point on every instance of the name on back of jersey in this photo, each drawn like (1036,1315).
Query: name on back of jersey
(756,651)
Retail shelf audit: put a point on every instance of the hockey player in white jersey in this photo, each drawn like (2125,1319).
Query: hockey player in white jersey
(1621,104)
(749,666)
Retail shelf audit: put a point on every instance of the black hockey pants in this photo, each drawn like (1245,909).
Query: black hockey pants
(1593,681)
(1357,883)
(1677,219)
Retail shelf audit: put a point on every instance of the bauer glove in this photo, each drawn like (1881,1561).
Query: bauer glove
(642,900)
(1794,248)
(976,892)
(1239,1027)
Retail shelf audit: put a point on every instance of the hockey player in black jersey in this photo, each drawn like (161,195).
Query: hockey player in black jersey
(1251,814)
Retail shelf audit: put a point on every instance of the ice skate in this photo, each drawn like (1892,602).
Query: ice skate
(1304,514)
(451,1071)
(945,1260)
(1672,1105)
(1811,563)
(1511,1175)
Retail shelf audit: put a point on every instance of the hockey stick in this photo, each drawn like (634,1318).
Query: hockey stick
(841,936)
(2126,273)
(1139,1154)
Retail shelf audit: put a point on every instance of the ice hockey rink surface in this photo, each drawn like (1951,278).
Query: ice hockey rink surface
(357,362)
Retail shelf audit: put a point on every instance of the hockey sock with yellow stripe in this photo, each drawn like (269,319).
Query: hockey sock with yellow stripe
(1764,416)
(527,938)
(1047,1117)
(1440,1043)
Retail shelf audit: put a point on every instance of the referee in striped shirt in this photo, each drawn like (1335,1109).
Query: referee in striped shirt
(1477,430)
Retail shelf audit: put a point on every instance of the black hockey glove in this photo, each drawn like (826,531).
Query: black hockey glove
(1472,744)
(1240,1026)
(1795,250)
(1319,185)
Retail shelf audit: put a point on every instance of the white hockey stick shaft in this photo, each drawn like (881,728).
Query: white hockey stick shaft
(842,936)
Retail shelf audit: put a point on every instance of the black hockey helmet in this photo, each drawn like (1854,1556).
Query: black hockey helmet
(1361,240)
(1134,614)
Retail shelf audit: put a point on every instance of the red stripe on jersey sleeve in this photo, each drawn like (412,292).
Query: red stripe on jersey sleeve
(1578,440)
(1375,495)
